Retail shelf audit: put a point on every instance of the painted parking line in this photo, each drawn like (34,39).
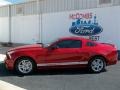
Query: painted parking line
(2,57)
(7,86)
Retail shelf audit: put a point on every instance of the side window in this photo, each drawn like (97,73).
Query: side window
(91,44)
(69,44)
(76,44)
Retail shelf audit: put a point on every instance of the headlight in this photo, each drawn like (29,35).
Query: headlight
(9,53)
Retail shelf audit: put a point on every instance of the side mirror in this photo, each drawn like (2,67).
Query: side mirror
(53,47)
(46,45)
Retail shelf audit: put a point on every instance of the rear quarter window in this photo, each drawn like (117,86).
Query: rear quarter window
(91,44)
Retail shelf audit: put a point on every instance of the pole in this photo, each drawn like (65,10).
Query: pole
(39,21)
(9,24)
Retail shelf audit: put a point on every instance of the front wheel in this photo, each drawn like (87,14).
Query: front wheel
(24,66)
(97,64)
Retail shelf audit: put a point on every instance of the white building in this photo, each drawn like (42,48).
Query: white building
(46,20)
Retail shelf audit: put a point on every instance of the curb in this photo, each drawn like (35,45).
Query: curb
(2,57)
(8,86)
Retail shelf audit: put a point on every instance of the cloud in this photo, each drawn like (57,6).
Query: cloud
(15,1)
(3,2)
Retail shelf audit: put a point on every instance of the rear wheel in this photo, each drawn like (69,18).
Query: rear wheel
(97,64)
(24,66)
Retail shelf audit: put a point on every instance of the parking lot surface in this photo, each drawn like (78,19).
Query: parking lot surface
(63,79)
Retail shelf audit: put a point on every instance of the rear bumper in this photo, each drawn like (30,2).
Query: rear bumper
(112,58)
(112,62)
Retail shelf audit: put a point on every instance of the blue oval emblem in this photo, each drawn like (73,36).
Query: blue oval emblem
(86,30)
(86,27)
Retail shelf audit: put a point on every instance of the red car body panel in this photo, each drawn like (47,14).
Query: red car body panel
(62,57)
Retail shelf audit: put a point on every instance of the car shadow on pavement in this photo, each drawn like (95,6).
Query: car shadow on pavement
(64,72)
(5,73)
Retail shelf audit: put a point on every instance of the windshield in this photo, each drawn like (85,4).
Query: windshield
(48,44)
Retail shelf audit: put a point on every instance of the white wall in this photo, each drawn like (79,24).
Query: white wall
(56,25)
(4,29)
(25,29)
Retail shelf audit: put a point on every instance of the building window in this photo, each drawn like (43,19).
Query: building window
(20,10)
(91,44)
(105,2)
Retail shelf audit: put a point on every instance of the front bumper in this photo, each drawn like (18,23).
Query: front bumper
(9,64)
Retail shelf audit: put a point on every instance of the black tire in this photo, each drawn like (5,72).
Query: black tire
(25,66)
(97,64)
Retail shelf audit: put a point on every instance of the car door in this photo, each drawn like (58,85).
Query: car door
(65,52)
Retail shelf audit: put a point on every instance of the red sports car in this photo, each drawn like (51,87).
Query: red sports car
(69,52)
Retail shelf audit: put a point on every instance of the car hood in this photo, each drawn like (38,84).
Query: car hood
(27,47)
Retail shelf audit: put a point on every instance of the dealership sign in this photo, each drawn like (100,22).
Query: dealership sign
(85,24)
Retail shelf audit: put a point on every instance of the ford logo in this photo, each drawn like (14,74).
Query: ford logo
(86,27)
(86,30)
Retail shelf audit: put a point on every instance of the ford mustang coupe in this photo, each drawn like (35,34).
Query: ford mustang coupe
(69,52)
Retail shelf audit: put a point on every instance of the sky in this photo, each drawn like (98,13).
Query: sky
(14,1)
(3,2)
(6,2)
